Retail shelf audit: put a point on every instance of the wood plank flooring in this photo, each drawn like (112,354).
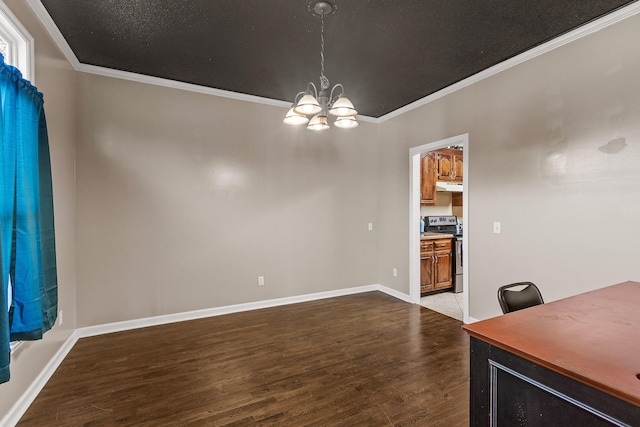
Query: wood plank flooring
(359,360)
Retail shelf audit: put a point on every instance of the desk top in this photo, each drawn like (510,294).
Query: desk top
(593,338)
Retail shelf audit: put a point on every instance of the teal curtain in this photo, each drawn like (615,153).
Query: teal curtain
(29,307)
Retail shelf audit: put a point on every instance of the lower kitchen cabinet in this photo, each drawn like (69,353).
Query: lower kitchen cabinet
(435,265)
(426,272)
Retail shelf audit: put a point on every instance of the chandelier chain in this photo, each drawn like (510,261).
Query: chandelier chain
(324,81)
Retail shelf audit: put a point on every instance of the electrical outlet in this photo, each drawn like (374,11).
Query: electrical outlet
(60,318)
(370,226)
(395,272)
(260,280)
(497,227)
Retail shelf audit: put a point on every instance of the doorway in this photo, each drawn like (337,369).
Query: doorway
(414,217)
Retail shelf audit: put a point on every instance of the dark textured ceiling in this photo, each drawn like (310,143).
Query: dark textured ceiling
(386,53)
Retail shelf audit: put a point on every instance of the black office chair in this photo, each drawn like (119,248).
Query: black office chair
(512,300)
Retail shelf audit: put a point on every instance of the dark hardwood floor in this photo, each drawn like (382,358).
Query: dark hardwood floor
(359,360)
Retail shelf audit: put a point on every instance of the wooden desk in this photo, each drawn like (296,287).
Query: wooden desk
(570,362)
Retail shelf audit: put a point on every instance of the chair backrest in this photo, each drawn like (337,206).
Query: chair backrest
(513,300)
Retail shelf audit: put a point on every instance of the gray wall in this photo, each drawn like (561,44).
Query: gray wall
(185,199)
(554,154)
(56,79)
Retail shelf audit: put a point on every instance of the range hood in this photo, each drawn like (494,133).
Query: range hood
(452,187)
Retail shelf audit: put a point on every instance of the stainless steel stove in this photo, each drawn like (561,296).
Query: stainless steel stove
(447,224)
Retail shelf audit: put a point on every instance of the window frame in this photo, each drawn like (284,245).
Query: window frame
(19,43)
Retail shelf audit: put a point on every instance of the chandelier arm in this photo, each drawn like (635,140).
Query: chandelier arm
(333,99)
(315,90)
(297,98)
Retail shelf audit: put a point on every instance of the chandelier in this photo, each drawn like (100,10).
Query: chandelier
(319,104)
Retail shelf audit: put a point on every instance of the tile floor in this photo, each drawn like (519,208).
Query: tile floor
(447,303)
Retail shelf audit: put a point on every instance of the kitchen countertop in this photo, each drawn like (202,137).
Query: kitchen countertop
(433,236)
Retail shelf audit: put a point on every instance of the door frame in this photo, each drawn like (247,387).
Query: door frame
(414,217)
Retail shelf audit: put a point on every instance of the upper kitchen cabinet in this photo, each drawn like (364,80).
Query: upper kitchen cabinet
(428,179)
(456,199)
(449,164)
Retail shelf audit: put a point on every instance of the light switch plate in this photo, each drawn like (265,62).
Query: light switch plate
(497,227)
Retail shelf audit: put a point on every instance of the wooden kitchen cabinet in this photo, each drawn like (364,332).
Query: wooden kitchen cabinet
(443,268)
(445,164)
(449,163)
(427,258)
(435,265)
(428,179)
(456,199)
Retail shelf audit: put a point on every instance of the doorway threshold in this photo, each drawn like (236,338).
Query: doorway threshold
(448,303)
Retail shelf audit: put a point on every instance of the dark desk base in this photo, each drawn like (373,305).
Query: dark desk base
(507,390)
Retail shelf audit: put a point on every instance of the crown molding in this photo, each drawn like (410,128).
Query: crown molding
(589,28)
(54,32)
(158,81)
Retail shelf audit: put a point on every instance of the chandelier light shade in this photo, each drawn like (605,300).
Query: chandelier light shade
(308,104)
(292,118)
(318,122)
(343,107)
(346,122)
(320,104)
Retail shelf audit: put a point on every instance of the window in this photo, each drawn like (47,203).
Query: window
(16,44)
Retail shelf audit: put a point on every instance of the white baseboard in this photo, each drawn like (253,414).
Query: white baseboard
(23,403)
(236,308)
(396,294)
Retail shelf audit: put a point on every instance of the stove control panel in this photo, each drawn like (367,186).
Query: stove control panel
(433,221)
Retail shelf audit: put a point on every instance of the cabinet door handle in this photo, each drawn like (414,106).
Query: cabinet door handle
(435,259)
